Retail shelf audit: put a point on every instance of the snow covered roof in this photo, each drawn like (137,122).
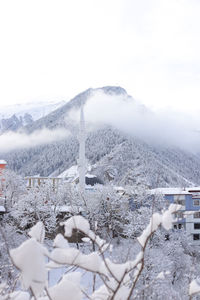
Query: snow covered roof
(2,208)
(194,189)
(3,162)
(170,191)
(68,208)
(175,191)
(70,173)
(118,188)
(90,176)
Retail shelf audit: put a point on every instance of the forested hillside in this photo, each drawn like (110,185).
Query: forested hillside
(115,156)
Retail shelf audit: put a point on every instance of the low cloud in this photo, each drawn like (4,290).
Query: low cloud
(167,128)
(15,140)
(128,115)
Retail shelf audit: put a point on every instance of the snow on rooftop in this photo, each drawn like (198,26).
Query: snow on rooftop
(169,191)
(71,172)
(2,208)
(118,188)
(3,162)
(175,191)
(68,208)
(196,188)
(90,176)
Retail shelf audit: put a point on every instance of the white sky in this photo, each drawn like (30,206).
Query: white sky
(54,49)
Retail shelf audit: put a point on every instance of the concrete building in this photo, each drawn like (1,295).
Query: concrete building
(188,217)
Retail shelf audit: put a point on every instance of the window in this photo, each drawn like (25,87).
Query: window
(179,199)
(196,202)
(166,237)
(196,237)
(196,225)
(197,215)
(178,215)
(180,202)
(179,226)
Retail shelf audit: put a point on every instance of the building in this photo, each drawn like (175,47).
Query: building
(3,164)
(36,181)
(188,217)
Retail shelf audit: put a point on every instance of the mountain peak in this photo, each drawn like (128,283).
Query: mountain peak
(113,90)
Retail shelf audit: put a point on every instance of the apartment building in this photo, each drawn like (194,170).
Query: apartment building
(188,217)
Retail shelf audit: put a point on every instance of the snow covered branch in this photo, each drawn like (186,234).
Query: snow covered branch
(118,280)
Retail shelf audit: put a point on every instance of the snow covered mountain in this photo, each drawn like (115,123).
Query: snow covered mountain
(14,123)
(13,117)
(114,155)
(36,109)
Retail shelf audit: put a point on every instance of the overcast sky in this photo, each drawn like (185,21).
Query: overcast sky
(54,49)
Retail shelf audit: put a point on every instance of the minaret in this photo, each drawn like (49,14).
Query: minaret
(82,160)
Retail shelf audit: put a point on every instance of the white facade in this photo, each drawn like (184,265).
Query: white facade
(192,226)
(189,215)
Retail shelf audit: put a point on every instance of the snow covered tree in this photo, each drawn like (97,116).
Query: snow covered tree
(9,238)
(12,188)
(37,204)
(117,280)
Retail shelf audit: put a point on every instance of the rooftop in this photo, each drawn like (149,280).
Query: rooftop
(170,191)
(175,191)
(2,208)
